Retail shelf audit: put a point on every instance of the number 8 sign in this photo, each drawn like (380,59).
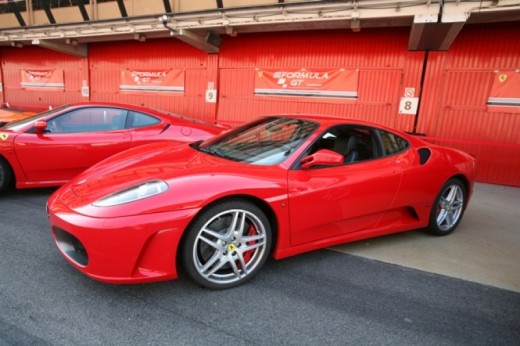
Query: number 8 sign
(408,105)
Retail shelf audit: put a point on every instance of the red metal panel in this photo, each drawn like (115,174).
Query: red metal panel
(386,68)
(457,86)
(16,59)
(108,59)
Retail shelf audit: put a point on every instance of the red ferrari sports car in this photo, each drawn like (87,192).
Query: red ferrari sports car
(52,147)
(280,185)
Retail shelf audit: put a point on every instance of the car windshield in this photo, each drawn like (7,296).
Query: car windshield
(267,141)
(17,125)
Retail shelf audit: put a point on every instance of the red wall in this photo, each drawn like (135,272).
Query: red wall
(452,110)
(457,86)
(106,60)
(385,66)
(13,60)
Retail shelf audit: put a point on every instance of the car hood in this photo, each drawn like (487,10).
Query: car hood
(158,161)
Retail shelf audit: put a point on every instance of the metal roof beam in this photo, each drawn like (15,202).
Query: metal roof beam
(209,44)
(79,50)
(13,8)
(48,12)
(122,8)
(167,6)
(354,15)
(83,10)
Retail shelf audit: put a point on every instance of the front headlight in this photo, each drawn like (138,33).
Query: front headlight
(135,193)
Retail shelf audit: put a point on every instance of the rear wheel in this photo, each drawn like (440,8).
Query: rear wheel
(227,244)
(6,175)
(448,208)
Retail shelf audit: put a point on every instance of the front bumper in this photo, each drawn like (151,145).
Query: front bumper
(131,249)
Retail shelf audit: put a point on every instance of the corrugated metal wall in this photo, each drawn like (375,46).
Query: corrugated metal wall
(75,71)
(386,68)
(453,110)
(107,60)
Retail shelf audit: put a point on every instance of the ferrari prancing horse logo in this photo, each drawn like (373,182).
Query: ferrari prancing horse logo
(4,136)
(502,78)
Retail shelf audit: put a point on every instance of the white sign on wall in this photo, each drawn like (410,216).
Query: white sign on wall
(211,96)
(408,105)
(85,90)
(409,92)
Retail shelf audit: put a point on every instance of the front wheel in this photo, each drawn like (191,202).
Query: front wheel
(448,208)
(227,244)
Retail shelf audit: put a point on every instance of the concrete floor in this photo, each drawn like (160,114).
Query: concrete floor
(485,248)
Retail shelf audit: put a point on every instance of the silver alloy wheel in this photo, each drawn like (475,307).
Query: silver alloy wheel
(229,246)
(450,207)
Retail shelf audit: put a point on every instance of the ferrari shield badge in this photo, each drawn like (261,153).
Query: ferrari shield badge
(4,136)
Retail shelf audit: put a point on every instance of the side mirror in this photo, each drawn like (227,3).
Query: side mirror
(40,126)
(323,157)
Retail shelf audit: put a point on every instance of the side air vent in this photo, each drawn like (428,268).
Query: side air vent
(424,155)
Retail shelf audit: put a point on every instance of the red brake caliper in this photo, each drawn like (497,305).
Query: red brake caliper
(248,254)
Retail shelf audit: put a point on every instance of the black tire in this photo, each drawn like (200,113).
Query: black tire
(6,175)
(227,244)
(448,208)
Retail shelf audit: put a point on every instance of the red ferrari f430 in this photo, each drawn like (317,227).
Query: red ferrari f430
(277,186)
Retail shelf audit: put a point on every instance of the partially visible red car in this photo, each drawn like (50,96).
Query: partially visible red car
(280,185)
(8,115)
(50,148)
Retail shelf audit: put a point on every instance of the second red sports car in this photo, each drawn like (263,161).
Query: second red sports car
(280,185)
(52,147)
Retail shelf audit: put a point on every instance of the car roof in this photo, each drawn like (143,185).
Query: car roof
(113,104)
(326,120)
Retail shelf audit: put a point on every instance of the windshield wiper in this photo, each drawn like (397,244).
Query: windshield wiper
(213,150)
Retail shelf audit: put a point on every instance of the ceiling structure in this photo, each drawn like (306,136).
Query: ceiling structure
(434,24)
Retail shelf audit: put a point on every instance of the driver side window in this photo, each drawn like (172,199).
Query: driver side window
(88,120)
(355,144)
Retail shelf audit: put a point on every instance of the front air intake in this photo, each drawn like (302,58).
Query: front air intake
(71,246)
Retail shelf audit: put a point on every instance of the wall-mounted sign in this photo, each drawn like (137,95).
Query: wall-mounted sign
(155,81)
(409,92)
(408,105)
(40,79)
(85,90)
(505,92)
(326,84)
(211,96)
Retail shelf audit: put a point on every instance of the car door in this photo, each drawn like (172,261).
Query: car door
(326,202)
(73,142)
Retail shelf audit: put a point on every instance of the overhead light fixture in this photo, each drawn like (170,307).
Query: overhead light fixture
(16,45)
(71,42)
(231,31)
(164,20)
(139,37)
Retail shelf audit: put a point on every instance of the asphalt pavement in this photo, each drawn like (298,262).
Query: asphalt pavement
(320,298)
